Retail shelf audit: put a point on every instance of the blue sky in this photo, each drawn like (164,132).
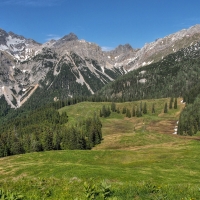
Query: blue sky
(107,23)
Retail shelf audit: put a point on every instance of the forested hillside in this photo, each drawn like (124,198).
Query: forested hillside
(189,120)
(45,129)
(174,75)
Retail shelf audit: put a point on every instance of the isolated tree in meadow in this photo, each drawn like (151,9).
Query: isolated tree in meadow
(108,111)
(124,110)
(100,113)
(153,109)
(138,112)
(133,111)
(165,108)
(128,113)
(141,106)
(175,103)
(113,107)
(170,103)
(145,108)
(103,111)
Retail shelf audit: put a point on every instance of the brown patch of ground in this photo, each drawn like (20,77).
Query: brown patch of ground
(164,126)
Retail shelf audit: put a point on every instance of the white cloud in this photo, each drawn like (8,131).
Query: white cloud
(52,37)
(107,48)
(34,3)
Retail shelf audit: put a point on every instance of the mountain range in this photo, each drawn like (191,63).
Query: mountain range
(69,67)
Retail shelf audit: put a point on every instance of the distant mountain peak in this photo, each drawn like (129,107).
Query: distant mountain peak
(69,37)
(2,32)
(66,38)
(125,47)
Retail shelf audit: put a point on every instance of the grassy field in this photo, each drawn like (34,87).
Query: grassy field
(139,158)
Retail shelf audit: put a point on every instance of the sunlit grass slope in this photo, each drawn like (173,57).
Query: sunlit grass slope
(137,157)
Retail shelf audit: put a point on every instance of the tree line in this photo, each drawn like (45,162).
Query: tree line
(189,120)
(46,129)
(136,111)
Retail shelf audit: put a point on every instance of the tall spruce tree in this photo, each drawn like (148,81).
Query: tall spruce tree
(138,112)
(170,103)
(133,111)
(141,106)
(124,110)
(113,107)
(100,114)
(128,113)
(103,111)
(175,103)
(108,111)
(165,108)
(153,109)
(145,108)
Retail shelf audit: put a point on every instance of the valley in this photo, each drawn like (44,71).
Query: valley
(81,123)
(136,156)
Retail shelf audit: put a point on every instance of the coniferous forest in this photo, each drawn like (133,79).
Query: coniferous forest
(46,129)
(38,126)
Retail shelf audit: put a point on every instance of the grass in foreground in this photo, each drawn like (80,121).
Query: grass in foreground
(139,158)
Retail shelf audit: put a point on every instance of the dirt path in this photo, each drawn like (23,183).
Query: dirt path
(26,98)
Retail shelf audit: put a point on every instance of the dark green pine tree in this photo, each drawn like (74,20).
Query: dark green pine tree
(2,149)
(128,113)
(133,111)
(175,103)
(63,118)
(170,103)
(138,112)
(56,141)
(124,110)
(108,111)
(47,140)
(103,112)
(153,109)
(165,108)
(72,138)
(141,106)
(145,108)
(100,114)
(113,107)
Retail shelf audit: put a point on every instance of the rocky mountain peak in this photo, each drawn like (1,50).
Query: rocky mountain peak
(122,49)
(66,38)
(3,33)
(125,47)
(69,37)
(26,62)
(13,35)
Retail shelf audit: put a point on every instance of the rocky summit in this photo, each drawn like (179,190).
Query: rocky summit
(72,66)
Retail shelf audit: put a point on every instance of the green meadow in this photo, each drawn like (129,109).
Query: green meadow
(139,158)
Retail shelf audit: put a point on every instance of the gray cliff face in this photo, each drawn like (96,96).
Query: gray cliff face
(25,63)
(162,47)
(3,36)
(18,46)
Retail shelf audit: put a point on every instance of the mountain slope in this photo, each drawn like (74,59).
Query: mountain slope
(69,66)
(172,76)
(155,51)
(56,75)
(17,45)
